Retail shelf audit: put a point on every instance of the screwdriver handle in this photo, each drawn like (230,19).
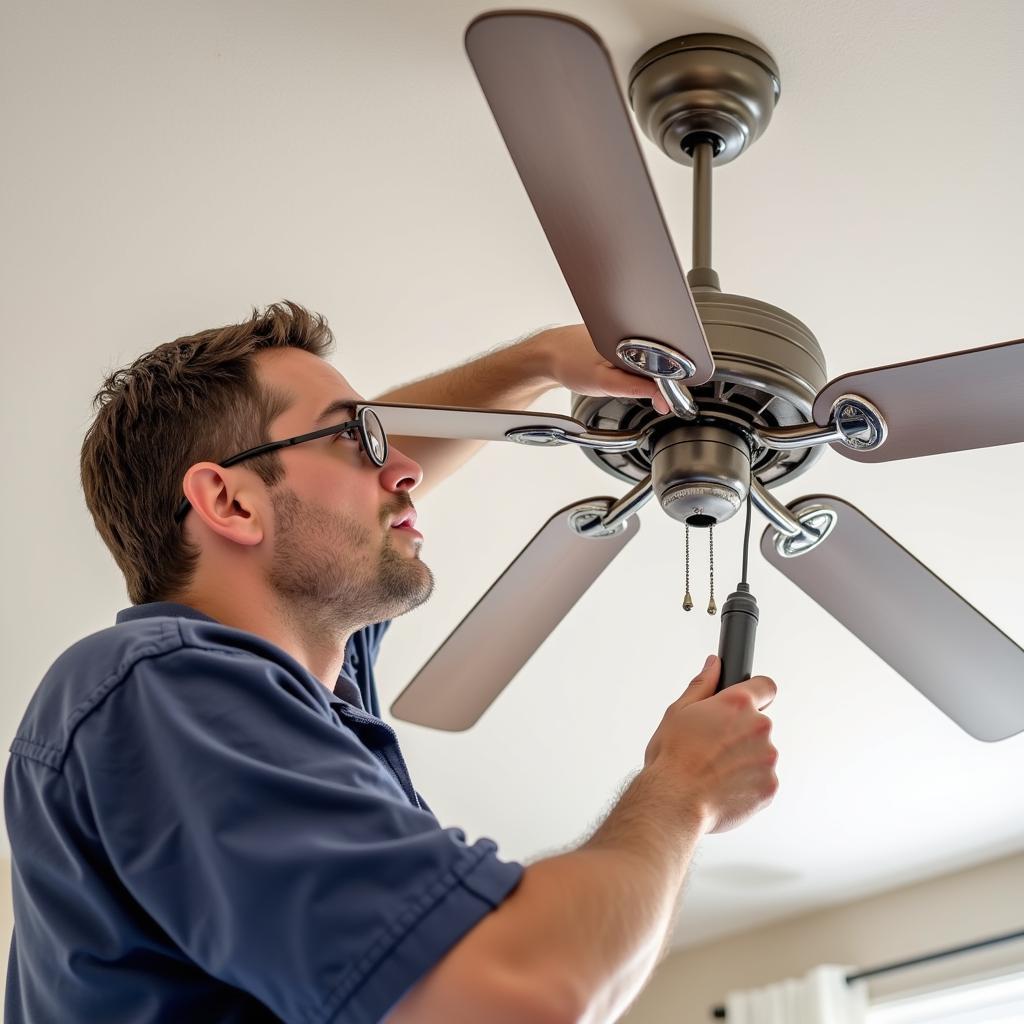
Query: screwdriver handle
(736,640)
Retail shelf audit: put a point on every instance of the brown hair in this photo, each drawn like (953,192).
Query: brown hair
(190,400)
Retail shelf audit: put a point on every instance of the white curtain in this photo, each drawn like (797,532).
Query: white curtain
(820,997)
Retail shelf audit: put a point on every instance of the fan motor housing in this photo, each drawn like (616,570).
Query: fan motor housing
(768,369)
(701,473)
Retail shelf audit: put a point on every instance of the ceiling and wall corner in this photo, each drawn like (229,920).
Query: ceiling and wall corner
(944,913)
(170,167)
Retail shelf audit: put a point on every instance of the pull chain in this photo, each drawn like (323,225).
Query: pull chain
(712,607)
(687,601)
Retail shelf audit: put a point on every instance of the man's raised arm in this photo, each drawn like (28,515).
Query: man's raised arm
(512,377)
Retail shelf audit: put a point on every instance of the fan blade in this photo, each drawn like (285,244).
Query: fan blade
(551,87)
(457,421)
(499,635)
(910,618)
(949,403)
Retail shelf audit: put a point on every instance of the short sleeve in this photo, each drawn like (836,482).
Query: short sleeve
(270,845)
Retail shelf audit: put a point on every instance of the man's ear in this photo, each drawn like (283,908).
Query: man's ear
(228,502)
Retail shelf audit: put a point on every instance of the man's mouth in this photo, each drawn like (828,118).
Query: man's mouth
(404,520)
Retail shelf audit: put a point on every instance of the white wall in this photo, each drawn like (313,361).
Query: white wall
(952,910)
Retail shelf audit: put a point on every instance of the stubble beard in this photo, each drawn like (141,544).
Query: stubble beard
(334,575)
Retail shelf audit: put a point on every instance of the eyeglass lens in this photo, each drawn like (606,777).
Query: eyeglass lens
(376,439)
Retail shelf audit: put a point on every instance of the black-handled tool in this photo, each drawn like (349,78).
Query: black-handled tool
(736,640)
(739,626)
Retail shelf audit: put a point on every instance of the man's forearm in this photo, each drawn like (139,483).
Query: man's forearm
(590,926)
(513,377)
(661,843)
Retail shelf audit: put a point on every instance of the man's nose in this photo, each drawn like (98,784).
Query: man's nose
(400,473)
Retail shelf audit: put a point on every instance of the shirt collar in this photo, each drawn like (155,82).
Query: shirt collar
(184,611)
(153,608)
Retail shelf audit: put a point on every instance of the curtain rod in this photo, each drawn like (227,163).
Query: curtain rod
(719,1011)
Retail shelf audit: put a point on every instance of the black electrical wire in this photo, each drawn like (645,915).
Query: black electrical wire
(746,540)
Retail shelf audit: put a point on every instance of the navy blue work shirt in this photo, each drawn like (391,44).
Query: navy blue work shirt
(200,831)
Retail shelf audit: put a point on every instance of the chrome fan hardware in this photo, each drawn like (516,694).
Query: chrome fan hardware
(746,382)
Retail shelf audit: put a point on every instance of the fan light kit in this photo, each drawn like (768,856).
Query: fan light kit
(746,384)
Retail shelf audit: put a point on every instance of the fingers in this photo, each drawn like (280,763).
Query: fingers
(704,682)
(623,384)
(712,666)
(760,689)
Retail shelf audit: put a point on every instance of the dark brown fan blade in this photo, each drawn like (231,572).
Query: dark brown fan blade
(970,399)
(498,636)
(911,619)
(552,89)
(456,421)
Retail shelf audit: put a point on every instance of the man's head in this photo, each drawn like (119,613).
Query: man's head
(310,524)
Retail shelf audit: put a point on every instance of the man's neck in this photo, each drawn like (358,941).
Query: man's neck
(316,645)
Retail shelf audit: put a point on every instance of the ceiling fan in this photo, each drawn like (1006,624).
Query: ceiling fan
(750,402)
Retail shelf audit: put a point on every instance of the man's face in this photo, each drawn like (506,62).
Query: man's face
(335,556)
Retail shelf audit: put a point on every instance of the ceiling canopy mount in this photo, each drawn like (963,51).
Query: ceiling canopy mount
(704,88)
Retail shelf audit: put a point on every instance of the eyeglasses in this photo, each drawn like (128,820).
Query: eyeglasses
(371,436)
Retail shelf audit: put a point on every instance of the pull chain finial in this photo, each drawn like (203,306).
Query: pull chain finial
(687,600)
(712,607)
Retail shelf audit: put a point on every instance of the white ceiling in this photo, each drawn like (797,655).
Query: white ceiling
(169,166)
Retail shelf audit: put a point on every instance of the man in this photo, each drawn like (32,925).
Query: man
(209,821)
